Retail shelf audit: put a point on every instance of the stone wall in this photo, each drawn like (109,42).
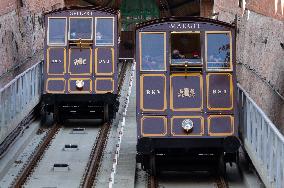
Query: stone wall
(260,51)
(22,33)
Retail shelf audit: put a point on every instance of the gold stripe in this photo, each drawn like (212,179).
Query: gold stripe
(171,92)
(96,63)
(64,61)
(220,134)
(142,92)
(148,135)
(55,79)
(90,86)
(83,74)
(104,91)
(188,135)
(231,91)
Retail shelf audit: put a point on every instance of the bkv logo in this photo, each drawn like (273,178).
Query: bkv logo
(102,61)
(80,61)
(152,91)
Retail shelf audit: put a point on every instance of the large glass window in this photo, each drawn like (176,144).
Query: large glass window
(56,31)
(104,31)
(218,51)
(152,51)
(185,48)
(81,28)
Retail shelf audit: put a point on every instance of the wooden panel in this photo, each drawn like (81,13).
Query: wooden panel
(153,126)
(153,92)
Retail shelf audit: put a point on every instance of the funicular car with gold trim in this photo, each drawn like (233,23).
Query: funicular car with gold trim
(186,93)
(80,67)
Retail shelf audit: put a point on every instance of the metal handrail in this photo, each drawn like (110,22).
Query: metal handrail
(18,98)
(262,141)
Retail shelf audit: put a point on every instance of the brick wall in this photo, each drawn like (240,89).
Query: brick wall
(206,8)
(260,63)
(7,6)
(271,8)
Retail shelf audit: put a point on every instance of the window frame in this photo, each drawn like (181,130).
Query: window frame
(165,49)
(231,52)
(92,27)
(184,32)
(65,38)
(96,20)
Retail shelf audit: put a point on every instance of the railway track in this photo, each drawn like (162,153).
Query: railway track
(95,157)
(218,181)
(153,181)
(29,175)
(122,75)
(26,172)
(91,170)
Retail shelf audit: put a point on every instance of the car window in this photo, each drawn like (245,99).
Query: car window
(218,51)
(153,51)
(104,31)
(56,31)
(81,28)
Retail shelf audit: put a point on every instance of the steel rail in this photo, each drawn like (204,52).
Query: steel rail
(153,181)
(221,181)
(95,157)
(122,75)
(21,179)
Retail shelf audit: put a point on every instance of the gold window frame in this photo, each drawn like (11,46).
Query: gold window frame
(53,91)
(91,61)
(64,61)
(231,51)
(96,62)
(96,19)
(92,27)
(202,127)
(142,92)
(104,91)
(184,32)
(57,44)
(165,50)
(171,91)
(231,91)
(154,135)
(221,134)
(84,79)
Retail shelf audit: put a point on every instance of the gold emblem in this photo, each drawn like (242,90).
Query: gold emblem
(80,61)
(186,92)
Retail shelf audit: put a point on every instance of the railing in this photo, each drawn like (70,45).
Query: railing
(262,141)
(18,98)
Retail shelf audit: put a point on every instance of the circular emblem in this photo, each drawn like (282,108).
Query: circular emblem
(187,125)
(79,84)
